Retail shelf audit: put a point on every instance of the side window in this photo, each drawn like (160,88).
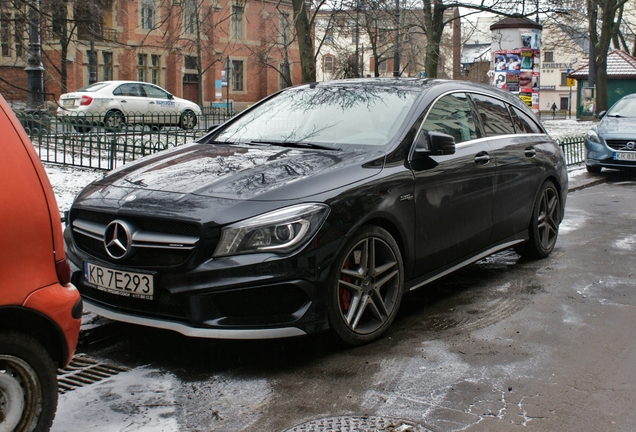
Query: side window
(155,92)
(128,90)
(523,122)
(453,116)
(494,115)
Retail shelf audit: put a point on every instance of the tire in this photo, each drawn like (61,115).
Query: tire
(28,384)
(593,169)
(188,120)
(544,225)
(114,120)
(366,287)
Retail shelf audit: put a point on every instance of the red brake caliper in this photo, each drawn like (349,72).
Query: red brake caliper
(344,295)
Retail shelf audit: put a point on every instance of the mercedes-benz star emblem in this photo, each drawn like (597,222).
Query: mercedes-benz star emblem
(117,239)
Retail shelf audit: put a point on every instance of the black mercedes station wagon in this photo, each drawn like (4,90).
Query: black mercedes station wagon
(318,208)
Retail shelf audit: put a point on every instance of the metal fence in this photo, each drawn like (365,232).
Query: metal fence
(87,141)
(573,149)
(96,141)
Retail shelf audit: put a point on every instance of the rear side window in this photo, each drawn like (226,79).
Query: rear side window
(523,122)
(494,115)
(128,89)
(452,115)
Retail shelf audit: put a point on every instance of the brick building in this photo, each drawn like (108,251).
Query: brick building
(181,45)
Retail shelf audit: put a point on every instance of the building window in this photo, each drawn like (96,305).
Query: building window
(329,36)
(328,63)
(147,14)
(565,104)
(237,22)
(19,34)
(190,62)
(284,29)
(155,62)
(190,17)
(5,34)
(548,56)
(237,75)
(382,67)
(564,78)
(284,72)
(141,67)
(107,66)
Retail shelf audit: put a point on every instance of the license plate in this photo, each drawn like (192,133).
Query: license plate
(119,282)
(625,156)
(69,102)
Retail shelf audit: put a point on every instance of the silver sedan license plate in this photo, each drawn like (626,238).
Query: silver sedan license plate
(625,156)
(119,282)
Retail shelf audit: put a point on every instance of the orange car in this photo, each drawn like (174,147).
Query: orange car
(40,310)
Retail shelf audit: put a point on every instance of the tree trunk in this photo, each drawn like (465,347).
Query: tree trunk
(434,22)
(305,41)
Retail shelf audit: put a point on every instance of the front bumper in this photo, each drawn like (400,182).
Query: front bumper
(599,155)
(241,297)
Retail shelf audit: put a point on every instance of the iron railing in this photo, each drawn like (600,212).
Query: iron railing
(573,149)
(87,141)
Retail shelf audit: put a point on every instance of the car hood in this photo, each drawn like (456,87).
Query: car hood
(232,172)
(617,127)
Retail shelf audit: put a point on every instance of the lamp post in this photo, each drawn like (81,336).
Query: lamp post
(228,70)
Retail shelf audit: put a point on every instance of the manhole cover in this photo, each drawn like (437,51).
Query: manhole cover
(359,424)
(83,371)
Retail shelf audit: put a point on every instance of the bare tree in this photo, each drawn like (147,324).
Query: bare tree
(277,36)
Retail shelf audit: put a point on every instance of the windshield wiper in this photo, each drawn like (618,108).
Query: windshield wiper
(294,144)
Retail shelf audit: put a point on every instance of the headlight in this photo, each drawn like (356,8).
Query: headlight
(279,231)
(592,136)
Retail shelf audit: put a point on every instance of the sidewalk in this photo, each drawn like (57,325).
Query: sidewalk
(579,179)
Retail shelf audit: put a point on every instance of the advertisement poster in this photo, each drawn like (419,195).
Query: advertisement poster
(517,71)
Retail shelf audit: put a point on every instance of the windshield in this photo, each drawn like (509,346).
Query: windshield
(625,107)
(326,116)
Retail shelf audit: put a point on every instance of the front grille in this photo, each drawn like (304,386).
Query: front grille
(260,302)
(143,256)
(621,144)
(164,304)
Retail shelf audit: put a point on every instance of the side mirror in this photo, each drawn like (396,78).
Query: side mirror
(170,96)
(602,114)
(434,144)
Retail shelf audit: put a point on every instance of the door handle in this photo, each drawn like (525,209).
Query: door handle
(482,158)
(151,103)
(123,101)
(530,152)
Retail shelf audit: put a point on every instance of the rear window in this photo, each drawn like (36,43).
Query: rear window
(93,87)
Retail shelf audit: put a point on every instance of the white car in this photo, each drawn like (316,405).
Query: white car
(116,103)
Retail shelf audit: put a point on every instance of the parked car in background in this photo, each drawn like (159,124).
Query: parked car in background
(40,310)
(112,104)
(318,208)
(612,142)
